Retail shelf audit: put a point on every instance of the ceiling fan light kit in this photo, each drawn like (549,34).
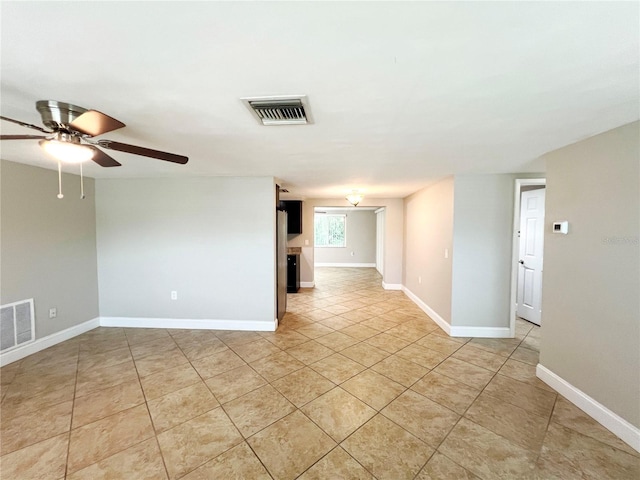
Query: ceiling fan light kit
(68,139)
(67,149)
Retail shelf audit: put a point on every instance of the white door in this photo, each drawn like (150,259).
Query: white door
(380,241)
(529,294)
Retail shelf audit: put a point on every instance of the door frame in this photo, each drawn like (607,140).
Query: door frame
(380,231)
(515,242)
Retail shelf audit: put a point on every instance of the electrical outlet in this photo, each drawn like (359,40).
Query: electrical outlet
(446,253)
(53,312)
(306,242)
(420,280)
(174,295)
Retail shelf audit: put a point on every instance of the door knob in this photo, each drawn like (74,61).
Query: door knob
(521,262)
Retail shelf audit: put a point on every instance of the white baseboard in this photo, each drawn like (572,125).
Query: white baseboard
(392,286)
(48,341)
(481,332)
(132,322)
(348,265)
(629,433)
(204,324)
(444,325)
(455,331)
(307,284)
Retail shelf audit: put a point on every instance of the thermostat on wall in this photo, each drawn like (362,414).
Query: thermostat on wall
(561,227)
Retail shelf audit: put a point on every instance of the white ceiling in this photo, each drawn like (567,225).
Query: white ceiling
(402,93)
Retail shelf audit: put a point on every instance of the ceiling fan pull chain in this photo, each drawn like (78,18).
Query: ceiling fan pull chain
(60,195)
(81,183)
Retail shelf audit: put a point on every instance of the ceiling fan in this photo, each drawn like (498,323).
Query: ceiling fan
(69,135)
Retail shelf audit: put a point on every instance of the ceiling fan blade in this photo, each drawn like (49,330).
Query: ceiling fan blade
(28,125)
(21,137)
(102,158)
(145,152)
(93,122)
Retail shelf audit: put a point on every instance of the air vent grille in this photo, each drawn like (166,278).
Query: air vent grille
(291,110)
(17,324)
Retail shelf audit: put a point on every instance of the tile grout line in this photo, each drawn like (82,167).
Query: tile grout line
(73,407)
(379,412)
(221,406)
(326,296)
(146,403)
(449,355)
(471,404)
(218,406)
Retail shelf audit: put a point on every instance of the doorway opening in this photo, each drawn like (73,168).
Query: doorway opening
(345,237)
(527,251)
(351,237)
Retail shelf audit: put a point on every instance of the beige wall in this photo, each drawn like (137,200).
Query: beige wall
(211,239)
(394,222)
(482,245)
(48,245)
(590,301)
(428,232)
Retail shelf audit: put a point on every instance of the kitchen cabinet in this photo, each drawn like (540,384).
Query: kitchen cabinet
(293,273)
(294,216)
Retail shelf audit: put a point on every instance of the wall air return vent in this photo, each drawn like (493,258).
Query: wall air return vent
(17,324)
(280,110)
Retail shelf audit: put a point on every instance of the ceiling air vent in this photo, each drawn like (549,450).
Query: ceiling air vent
(281,110)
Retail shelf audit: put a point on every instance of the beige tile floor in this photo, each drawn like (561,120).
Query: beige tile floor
(357,383)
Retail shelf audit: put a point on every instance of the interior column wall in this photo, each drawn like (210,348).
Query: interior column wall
(482,244)
(428,232)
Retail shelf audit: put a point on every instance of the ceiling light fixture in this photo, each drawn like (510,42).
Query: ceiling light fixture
(354,198)
(67,148)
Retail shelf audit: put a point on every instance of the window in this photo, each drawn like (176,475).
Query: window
(330,230)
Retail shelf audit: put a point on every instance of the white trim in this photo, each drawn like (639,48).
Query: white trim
(454,331)
(203,324)
(48,341)
(629,433)
(444,325)
(391,286)
(381,218)
(520,182)
(132,322)
(307,284)
(353,265)
(481,332)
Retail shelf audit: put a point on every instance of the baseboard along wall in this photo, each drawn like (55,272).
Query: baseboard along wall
(195,324)
(346,265)
(39,344)
(627,432)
